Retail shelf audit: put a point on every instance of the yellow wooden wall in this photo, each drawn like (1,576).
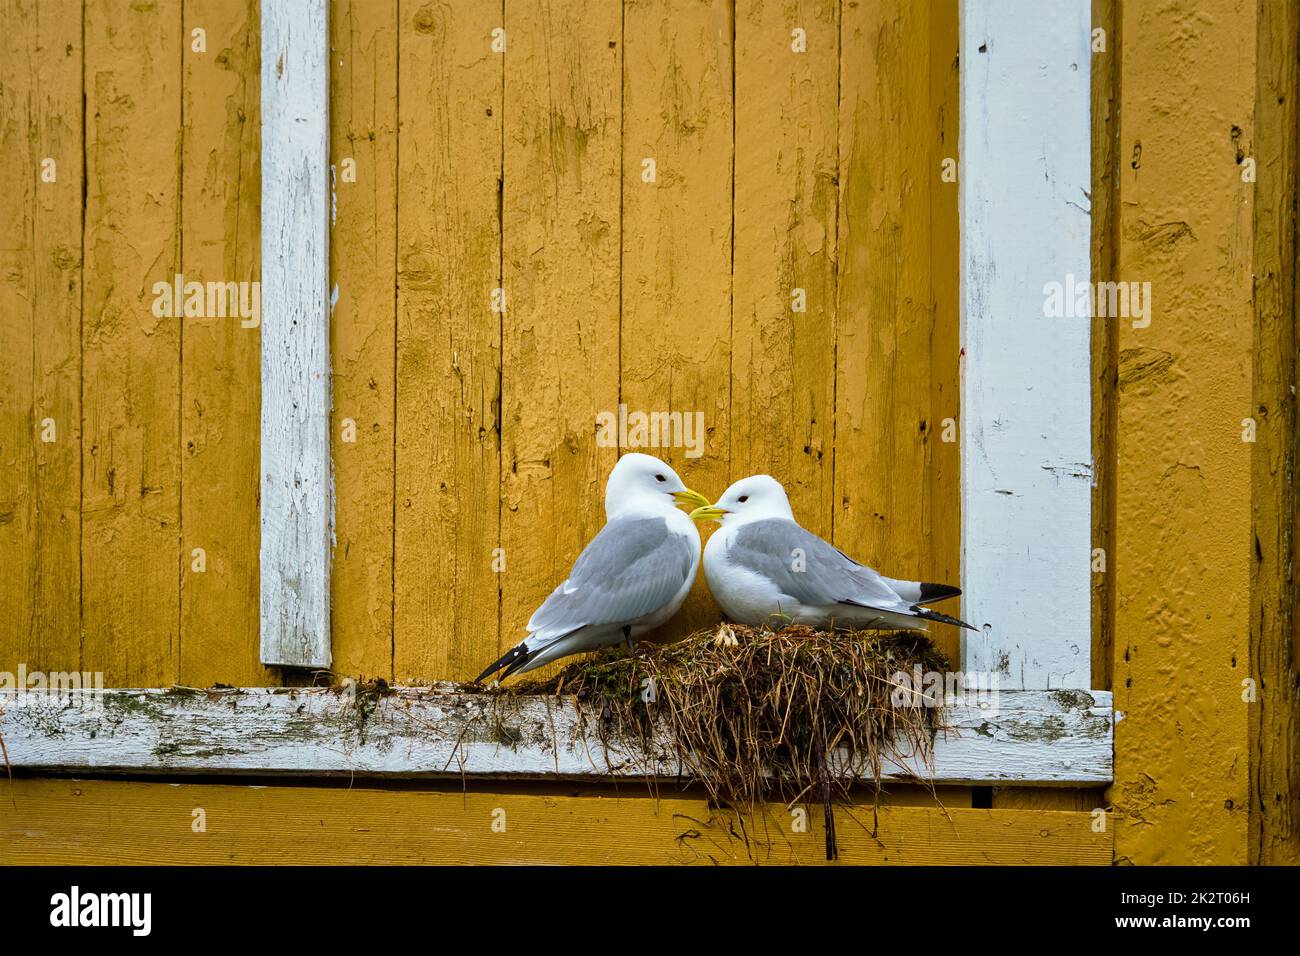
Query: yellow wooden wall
(475,430)
(775,170)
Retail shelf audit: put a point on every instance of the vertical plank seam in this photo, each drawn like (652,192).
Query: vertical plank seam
(622,227)
(81,368)
(31,626)
(731,311)
(835,266)
(180,350)
(1106,244)
(1110,594)
(501,328)
(397,308)
(925,563)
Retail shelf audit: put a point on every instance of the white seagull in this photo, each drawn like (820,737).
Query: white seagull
(630,578)
(761,564)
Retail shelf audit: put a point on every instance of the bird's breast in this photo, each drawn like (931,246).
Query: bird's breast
(746,596)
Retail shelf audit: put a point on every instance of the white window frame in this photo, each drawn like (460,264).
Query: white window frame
(297,486)
(1026,428)
(1026,468)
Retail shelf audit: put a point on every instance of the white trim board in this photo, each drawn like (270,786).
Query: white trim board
(1059,738)
(296,476)
(1026,385)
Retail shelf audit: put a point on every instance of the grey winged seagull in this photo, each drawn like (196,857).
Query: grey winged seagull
(631,577)
(761,565)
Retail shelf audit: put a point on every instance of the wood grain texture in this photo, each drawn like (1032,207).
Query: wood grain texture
(54,640)
(1185,551)
(131,378)
(675,329)
(94,821)
(1058,738)
(18,427)
(560,351)
(1107,166)
(40,336)
(1275,628)
(896,481)
(1026,381)
(363,250)
(297,506)
(1086,799)
(220,354)
(783,393)
(940,559)
(449,341)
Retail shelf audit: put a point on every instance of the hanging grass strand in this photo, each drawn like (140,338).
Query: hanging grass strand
(757,714)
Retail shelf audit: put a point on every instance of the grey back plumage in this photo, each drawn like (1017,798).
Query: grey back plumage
(633,567)
(777,548)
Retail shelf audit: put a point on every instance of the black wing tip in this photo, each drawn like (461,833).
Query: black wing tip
(511,660)
(937,592)
(926,614)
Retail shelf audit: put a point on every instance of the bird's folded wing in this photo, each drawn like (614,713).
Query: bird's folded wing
(808,569)
(634,566)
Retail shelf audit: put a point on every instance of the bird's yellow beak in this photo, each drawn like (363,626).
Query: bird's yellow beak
(708,512)
(692,498)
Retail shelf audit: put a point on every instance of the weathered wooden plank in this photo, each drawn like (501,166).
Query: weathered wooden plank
(561,263)
(896,457)
(940,559)
(1026,399)
(18,414)
(784,308)
(1275,628)
(676,240)
(448,341)
(220,346)
(54,640)
(40,335)
(1108,165)
(1047,737)
(363,250)
(296,480)
(1185,547)
(131,344)
(80,822)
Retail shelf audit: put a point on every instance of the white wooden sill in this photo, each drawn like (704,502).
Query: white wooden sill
(1057,737)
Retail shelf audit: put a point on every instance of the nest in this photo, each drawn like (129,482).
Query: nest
(796,714)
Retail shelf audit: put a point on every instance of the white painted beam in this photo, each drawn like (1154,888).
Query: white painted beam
(1025,393)
(1060,738)
(296,477)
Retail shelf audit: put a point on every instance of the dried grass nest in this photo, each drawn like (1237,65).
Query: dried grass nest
(755,714)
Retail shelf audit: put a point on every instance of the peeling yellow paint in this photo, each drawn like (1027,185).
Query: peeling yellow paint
(98,822)
(775,170)
(1183,486)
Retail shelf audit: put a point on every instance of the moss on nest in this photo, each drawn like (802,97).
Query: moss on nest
(795,714)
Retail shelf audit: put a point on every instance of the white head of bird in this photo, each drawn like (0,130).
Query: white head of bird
(644,483)
(750,499)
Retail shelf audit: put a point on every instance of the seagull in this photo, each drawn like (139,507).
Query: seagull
(761,564)
(630,578)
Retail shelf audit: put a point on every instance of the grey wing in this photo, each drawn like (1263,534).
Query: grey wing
(808,569)
(633,567)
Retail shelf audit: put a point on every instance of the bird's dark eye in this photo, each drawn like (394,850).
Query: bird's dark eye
(743,499)
(660,478)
